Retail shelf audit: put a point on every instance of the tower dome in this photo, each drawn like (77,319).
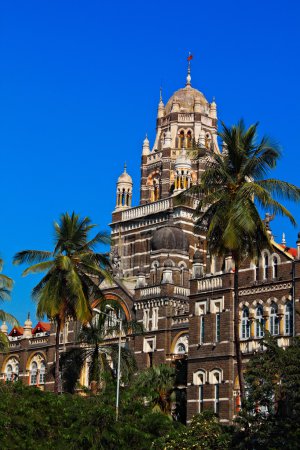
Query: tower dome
(169,237)
(185,100)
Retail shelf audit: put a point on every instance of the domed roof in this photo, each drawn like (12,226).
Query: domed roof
(169,237)
(124,177)
(186,98)
(198,256)
(183,160)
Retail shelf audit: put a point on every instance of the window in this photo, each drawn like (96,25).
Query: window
(218,317)
(154,318)
(202,329)
(256,271)
(275,267)
(288,318)
(274,320)
(266,266)
(33,373)
(201,398)
(149,344)
(245,324)
(146,319)
(259,322)
(217,400)
(181,348)
(42,373)
(9,372)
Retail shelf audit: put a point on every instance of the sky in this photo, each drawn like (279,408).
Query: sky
(79,88)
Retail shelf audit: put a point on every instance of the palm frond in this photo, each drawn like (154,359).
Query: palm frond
(31,256)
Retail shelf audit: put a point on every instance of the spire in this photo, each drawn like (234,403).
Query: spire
(188,78)
(125,167)
(146,146)
(161,106)
(283,240)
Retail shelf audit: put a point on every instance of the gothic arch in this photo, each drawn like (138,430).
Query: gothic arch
(117,298)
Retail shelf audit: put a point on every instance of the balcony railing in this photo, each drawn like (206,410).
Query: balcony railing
(147,292)
(209,284)
(146,210)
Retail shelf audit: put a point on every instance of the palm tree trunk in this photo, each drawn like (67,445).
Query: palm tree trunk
(238,352)
(57,377)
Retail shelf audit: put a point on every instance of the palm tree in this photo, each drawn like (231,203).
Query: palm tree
(230,192)
(94,350)
(156,384)
(73,271)
(6,285)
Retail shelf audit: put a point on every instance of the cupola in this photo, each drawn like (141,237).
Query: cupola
(124,190)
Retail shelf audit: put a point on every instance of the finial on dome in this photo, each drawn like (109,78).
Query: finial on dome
(188,78)
(125,167)
(160,94)
(283,240)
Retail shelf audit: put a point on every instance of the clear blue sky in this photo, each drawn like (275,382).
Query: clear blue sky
(79,86)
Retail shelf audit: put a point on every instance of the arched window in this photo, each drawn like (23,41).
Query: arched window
(33,373)
(288,318)
(9,372)
(274,320)
(216,379)
(245,334)
(266,266)
(259,322)
(181,139)
(256,271)
(275,266)
(42,373)
(181,348)
(189,139)
(199,380)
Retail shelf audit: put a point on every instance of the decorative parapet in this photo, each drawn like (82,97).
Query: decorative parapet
(268,288)
(178,290)
(208,284)
(150,291)
(146,210)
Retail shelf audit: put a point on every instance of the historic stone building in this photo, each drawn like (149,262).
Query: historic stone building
(169,282)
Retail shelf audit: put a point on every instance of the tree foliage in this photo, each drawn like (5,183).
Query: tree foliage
(270,415)
(73,271)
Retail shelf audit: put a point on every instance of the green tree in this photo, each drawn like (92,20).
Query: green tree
(204,433)
(73,270)
(6,285)
(156,384)
(229,193)
(270,417)
(94,349)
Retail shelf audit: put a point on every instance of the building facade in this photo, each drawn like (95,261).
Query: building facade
(168,281)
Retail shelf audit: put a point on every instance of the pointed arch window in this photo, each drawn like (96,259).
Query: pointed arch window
(266,266)
(288,319)
(245,334)
(181,139)
(275,266)
(42,375)
(259,322)
(9,372)
(274,320)
(189,139)
(33,373)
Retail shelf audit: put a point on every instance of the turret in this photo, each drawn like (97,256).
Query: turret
(198,264)
(161,107)
(146,146)
(213,110)
(168,140)
(124,190)
(27,327)
(4,328)
(183,168)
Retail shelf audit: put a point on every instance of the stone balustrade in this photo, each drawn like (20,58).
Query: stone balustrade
(178,290)
(209,284)
(146,210)
(147,292)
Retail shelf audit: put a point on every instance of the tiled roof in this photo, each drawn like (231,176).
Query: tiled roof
(16,331)
(41,327)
